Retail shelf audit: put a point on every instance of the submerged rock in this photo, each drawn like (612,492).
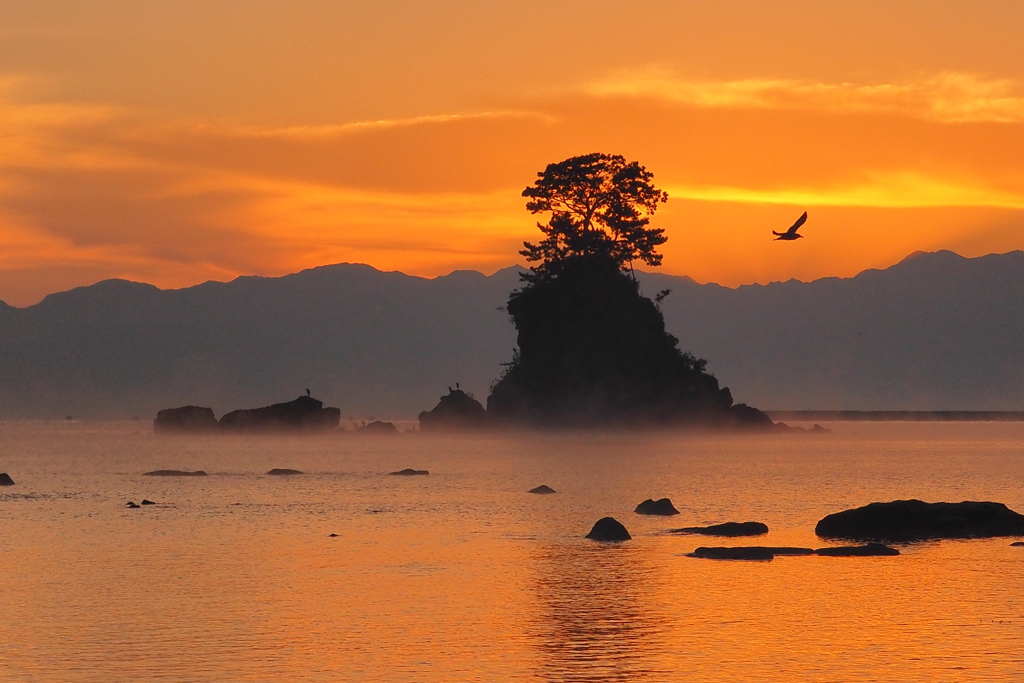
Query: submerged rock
(543,488)
(174,473)
(731,529)
(283,471)
(303,414)
(868,550)
(185,419)
(662,506)
(741,553)
(608,529)
(409,472)
(914,520)
(378,427)
(5,479)
(455,411)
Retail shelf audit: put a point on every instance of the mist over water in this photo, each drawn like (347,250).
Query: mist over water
(462,576)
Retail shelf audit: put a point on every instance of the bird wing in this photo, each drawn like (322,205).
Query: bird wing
(799,221)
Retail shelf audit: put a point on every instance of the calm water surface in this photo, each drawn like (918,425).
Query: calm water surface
(462,576)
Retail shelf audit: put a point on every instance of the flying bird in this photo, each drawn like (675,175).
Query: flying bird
(791,233)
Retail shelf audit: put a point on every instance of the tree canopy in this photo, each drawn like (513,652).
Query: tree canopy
(600,205)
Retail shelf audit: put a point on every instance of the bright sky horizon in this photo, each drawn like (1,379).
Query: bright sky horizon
(175,143)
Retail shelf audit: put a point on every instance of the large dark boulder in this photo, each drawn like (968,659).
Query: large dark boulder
(731,529)
(608,529)
(303,414)
(5,479)
(914,520)
(455,411)
(868,550)
(185,419)
(662,506)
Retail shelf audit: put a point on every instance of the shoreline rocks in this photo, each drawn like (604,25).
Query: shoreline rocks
(914,520)
(731,529)
(662,506)
(608,529)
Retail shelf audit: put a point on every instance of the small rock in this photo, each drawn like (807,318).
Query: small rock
(146,501)
(662,506)
(727,529)
(132,504)
(868,550)
(175,473)
(543,488)
(5,479)
(332,535)
(409,472)
(283,471)
(741,553)
(608,529)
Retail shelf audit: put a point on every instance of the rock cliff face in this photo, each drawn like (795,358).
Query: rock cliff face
(303,414)
(455,411)
(185,419)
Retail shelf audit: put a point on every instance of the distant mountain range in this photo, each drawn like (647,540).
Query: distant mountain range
(935,332)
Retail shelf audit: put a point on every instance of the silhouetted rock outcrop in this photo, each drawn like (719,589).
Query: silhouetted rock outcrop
(303,414)
(740,553)
(608,529)
(378,427)
(5,479)
(914,520)
(185,419)
(409,472)
(175,473)
(593,352)
(1017,544)
(868,550)
(727,529)
(542,489)
(455,411)
(283,472)
(662,506)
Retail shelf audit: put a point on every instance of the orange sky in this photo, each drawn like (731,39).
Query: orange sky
(178,142)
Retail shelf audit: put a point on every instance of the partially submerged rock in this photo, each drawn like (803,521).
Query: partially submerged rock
(5,479)
(731,529)
(455,411)
(305,414)
(378,427)
(132,504)
(914,520)
(608,529)
(283,472)
(185,419)
(409,472)
(868,550)
(740,553)
(543,488)
(662,506)
(146,501)
(175,473)
(1017,544)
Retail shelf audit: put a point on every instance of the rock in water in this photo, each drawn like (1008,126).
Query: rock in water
(378,427)
(185,419)
(731,529)
(1017,544)
(283,471)
(132,504)
(305,414)
(409,472)
(869,550)
(741,553)
(146,501)
(914,520)
(662,506)
(5,479)
(174,473)
(543,488)
(456,411)
(608,529)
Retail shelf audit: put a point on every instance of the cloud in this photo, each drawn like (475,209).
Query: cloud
(947,97)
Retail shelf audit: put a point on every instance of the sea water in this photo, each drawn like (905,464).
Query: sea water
(463,576)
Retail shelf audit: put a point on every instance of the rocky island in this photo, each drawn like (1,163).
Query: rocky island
(304,414)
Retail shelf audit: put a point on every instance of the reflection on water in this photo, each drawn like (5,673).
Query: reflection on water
(597,620)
